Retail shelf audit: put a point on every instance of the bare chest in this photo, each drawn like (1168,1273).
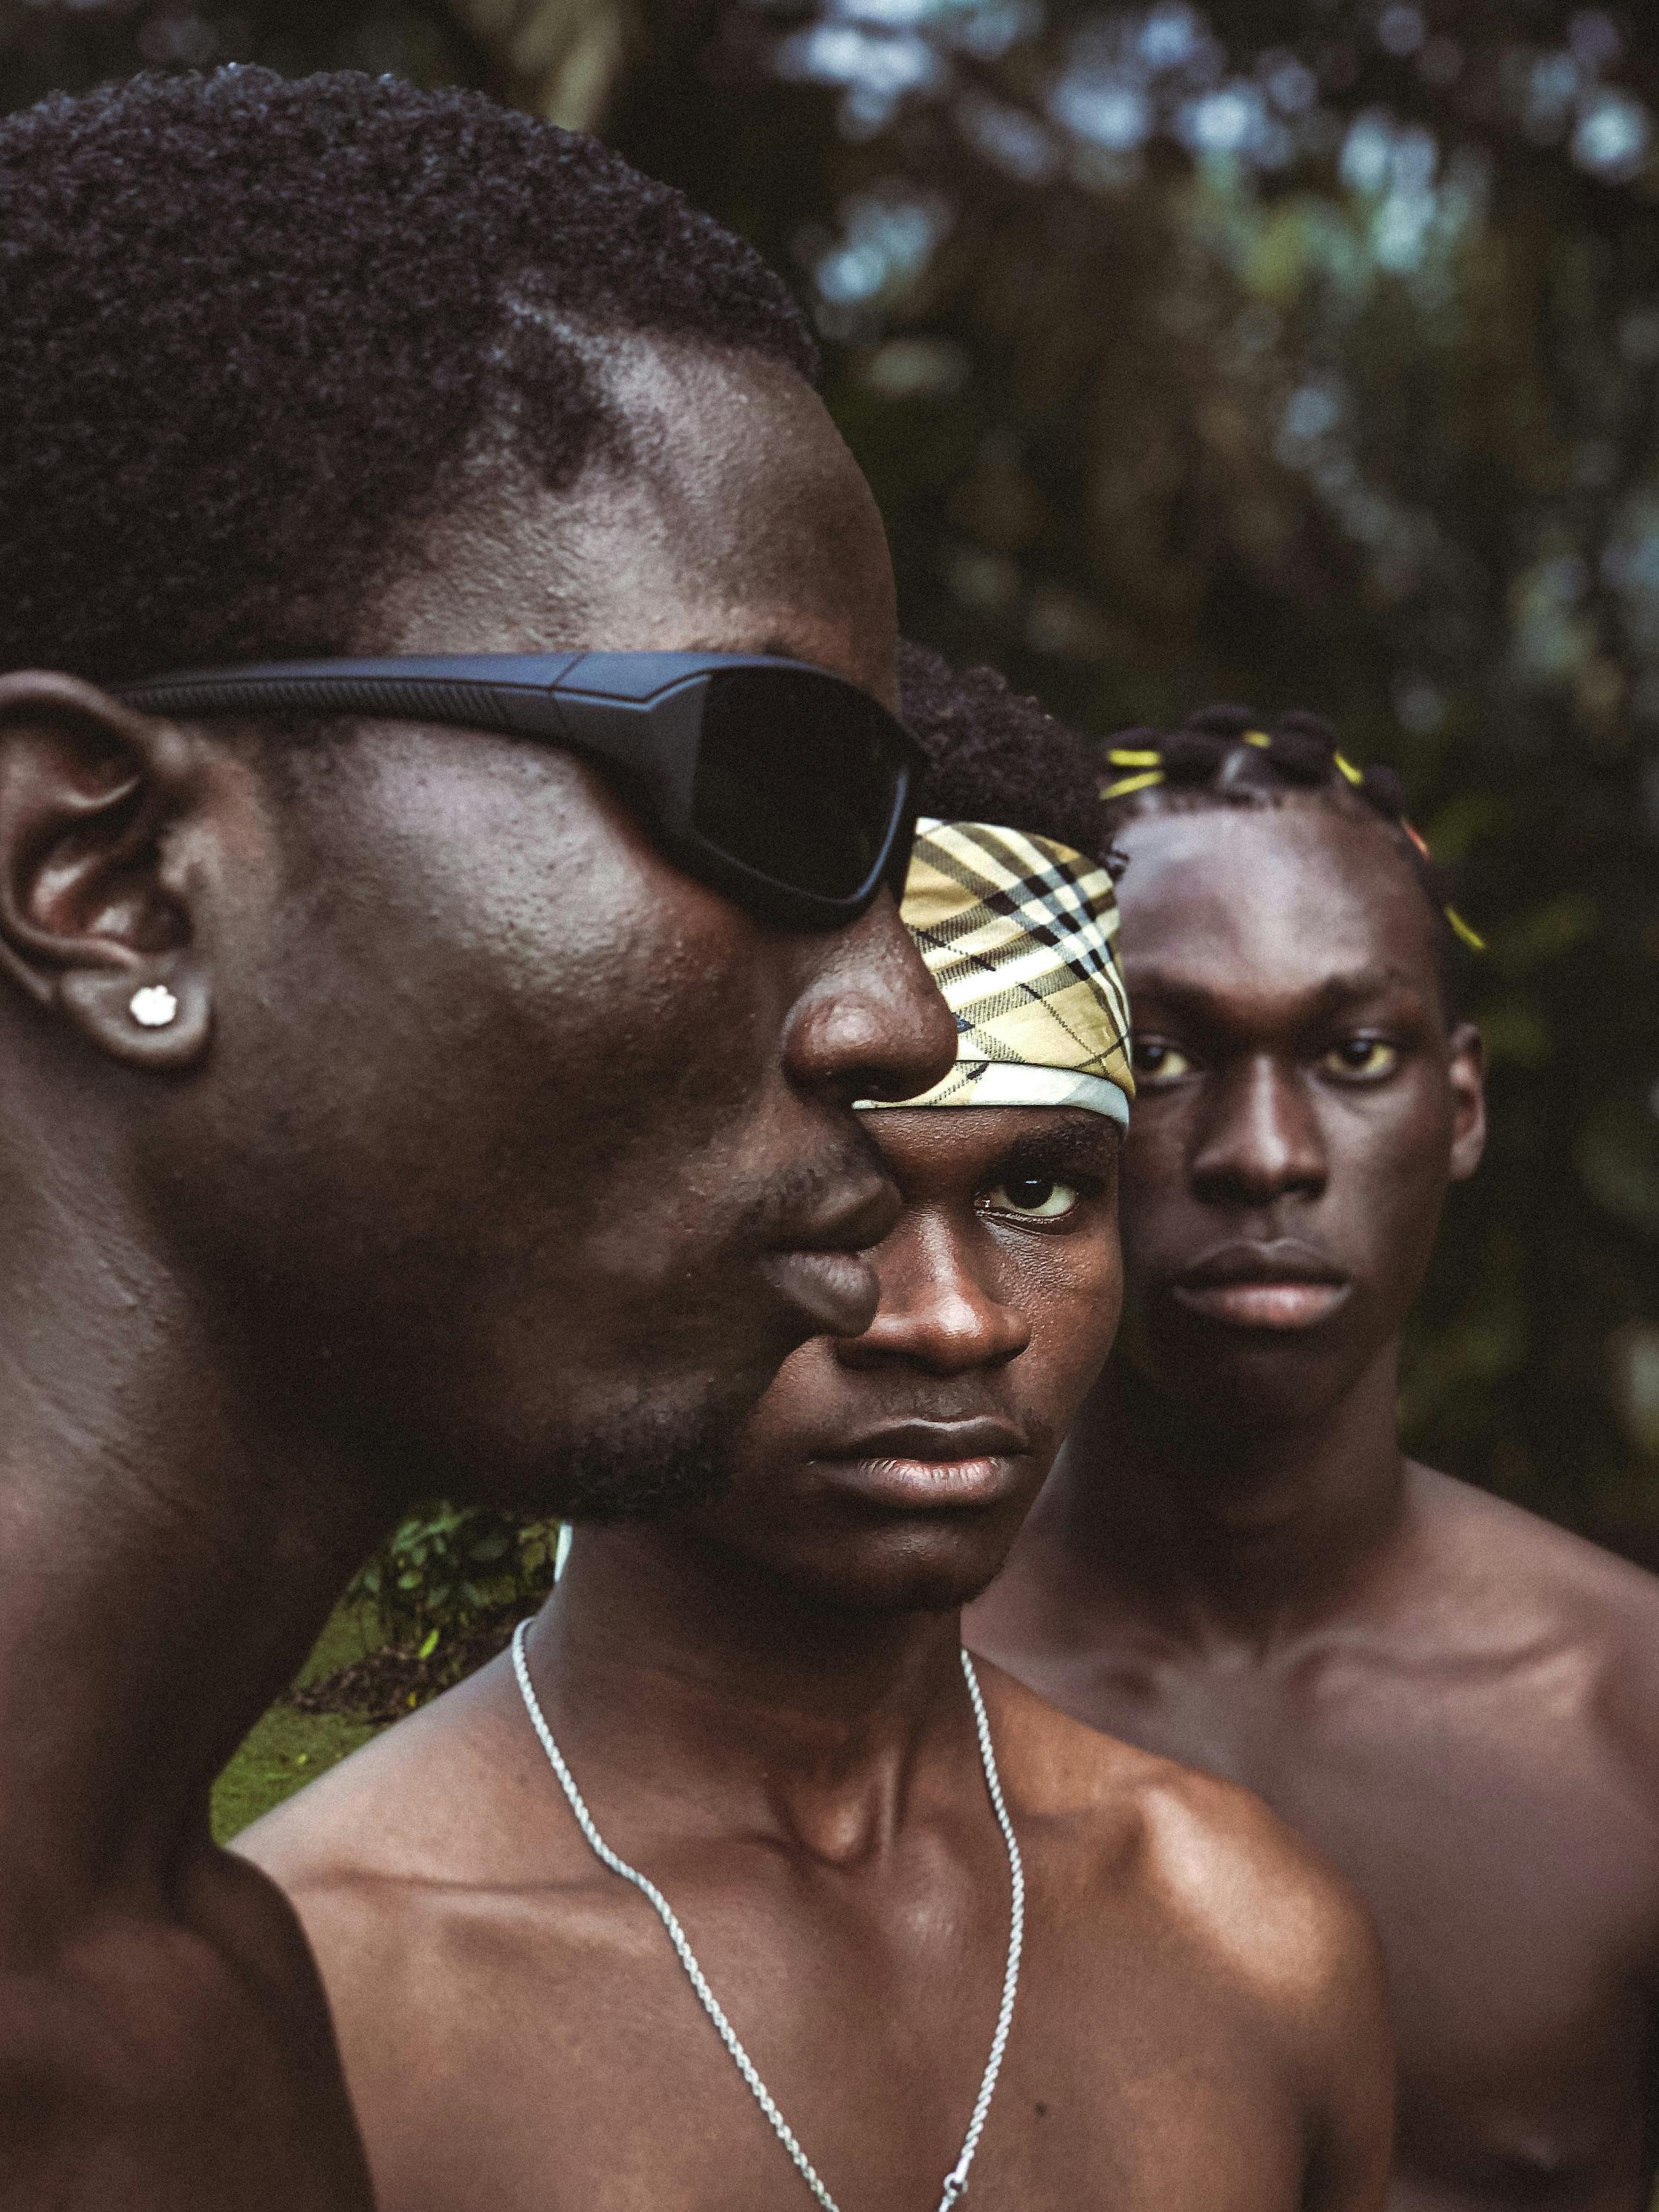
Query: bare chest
(590,2080)
(1513,1875)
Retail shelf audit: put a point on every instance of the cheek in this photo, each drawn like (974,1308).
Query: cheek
(802,1399)
(618,1081)
(1384,1214)
(612,953)
(529,1026)
(667,1117)
(623,981)
(1072,1298)
(1152,1171)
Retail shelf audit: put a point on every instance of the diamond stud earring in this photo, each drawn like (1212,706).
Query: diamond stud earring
(153,1007)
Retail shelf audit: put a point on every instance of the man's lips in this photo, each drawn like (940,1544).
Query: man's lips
(1281,1284)
(837,1292)
(911,1466)
(819,1266)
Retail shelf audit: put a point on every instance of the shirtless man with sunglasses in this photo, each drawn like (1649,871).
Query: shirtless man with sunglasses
(395,1102)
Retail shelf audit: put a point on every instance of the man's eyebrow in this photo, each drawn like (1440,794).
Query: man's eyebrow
(1335,993)
(1083,1143)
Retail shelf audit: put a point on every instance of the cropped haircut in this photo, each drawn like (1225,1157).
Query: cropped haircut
(1232,756)
(256,333)
(993,756)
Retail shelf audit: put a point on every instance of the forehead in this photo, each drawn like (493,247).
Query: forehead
(934,1151)
(739,522)
(1269,903)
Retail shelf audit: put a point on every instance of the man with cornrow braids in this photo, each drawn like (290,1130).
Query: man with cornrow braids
(1234,1564)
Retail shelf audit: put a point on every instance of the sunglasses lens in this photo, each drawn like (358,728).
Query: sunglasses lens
(798,777)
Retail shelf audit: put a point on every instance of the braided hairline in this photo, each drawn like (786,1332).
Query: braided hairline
(1225,756)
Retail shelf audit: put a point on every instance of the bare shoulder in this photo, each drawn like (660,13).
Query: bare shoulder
(1477,1527)
(121,2049)
(1211,1859)
(408,1869)
(405,1808)
(1549,1598)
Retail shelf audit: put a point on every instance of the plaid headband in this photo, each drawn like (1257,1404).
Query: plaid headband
(1019,934)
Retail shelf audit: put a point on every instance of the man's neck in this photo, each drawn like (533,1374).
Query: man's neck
(721,1693)
(1211,1530)
(165,1565)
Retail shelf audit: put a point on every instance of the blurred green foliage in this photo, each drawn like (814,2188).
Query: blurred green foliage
(447,1567)
(1301,352)
(286,1749)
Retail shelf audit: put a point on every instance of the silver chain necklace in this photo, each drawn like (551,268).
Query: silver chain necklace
(956,2182)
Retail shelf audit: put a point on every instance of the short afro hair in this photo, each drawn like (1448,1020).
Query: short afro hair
(252,329)
(993,756)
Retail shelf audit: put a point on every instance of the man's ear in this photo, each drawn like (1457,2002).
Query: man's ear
(94,920)
(1467,1069)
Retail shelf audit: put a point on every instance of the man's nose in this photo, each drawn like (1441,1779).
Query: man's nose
(1259,1138)
(941,1306)
(870,1023)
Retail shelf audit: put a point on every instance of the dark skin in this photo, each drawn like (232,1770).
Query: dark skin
(1234,1564)
(472,1099)
(763,1705)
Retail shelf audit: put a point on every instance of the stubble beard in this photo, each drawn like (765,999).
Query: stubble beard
(645,1465)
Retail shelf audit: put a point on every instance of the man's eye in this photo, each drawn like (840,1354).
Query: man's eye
(1156,1062)
(1365,1058)
(1037,1197)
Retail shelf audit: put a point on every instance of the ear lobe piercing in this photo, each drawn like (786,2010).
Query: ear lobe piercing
(153,1007)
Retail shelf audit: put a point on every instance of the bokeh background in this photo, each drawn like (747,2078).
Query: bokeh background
(1301,355)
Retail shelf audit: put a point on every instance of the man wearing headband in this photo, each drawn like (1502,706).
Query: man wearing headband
(736,1887)
(1234,1564)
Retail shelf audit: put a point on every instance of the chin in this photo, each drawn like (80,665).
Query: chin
(1252,1380)
(899,1571)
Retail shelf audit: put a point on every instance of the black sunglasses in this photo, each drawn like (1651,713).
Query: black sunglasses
(782,786)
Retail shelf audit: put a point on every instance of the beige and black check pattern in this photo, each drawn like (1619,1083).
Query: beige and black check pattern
(1020,935)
